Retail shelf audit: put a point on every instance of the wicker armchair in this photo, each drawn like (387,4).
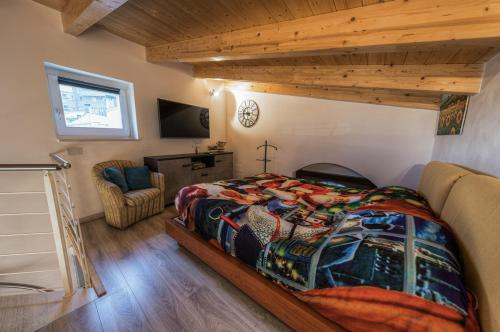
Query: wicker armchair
(124,209)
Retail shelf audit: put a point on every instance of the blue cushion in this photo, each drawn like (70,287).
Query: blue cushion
(114,175)
(137,177)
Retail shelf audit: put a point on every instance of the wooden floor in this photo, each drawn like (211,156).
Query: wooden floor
(153,285)
(28,312)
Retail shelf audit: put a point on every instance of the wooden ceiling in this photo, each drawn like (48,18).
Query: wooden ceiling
(175,20)
(153,22)
(401,52)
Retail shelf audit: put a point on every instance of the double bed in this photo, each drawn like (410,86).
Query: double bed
(324,256)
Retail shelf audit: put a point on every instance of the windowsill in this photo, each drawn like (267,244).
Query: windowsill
(96,139)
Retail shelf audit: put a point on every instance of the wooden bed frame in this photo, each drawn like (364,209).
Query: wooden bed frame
(466,199)
(293,312)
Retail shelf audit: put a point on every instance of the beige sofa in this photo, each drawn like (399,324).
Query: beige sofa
(124,209)
(470,202)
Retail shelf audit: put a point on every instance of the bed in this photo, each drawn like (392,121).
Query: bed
(327,257)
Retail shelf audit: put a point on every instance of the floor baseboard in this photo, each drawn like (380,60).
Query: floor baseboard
(92,217)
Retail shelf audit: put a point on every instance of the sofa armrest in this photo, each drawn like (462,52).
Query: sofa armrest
(158,181)
(111,194)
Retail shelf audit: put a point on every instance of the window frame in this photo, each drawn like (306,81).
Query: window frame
(126,99)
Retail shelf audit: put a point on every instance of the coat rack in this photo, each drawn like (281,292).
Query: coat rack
(265,160)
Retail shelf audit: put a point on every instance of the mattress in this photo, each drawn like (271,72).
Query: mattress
(369,260)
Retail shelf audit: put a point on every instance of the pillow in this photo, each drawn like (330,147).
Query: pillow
(114,175)
(137,177)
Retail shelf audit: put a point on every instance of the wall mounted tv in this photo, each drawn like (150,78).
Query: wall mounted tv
(183,121)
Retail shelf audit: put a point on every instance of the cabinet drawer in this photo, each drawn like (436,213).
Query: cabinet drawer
(224,167)
(177,175)
(224,172)
(174,165)
(203,175)
(223,159)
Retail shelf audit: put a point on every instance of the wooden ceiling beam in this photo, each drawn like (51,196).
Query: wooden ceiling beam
(80,15)
(449,78)
(370,96)
(399,25)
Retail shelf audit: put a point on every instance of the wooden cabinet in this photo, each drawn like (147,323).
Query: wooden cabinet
(179,170)
(177,175)
(224,166)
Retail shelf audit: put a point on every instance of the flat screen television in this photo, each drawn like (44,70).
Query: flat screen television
(183,121)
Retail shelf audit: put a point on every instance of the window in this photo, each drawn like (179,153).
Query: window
(90,106)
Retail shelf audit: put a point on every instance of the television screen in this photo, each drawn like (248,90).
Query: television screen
(183,121)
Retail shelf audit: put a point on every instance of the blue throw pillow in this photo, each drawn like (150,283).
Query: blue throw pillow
(137,177)
(114,175)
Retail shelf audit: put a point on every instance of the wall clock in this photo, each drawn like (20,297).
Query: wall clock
(248,113)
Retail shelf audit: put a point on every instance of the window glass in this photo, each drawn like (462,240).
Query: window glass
(88,108)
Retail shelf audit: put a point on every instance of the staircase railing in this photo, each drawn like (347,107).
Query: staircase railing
(68,242)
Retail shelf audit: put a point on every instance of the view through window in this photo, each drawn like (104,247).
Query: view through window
(89,108)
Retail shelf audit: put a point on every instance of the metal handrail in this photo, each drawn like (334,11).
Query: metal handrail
(30,167)
(65,225)
(61,164)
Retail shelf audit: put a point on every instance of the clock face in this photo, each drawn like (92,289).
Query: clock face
(248,113)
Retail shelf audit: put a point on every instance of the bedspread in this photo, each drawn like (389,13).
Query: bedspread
(370,260)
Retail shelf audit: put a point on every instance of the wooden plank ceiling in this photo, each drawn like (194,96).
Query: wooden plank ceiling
(402,52)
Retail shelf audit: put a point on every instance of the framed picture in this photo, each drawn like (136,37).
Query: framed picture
(452,114)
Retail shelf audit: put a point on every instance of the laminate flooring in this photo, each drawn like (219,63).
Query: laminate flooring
(28,312)
(154,285)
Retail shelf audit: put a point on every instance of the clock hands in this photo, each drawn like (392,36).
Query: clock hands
(248,113)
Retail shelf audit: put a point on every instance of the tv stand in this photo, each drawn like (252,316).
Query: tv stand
(182,170)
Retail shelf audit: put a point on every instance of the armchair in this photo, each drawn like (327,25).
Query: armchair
(124,209)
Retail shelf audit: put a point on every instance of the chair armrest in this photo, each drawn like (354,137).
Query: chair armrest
(158,180)
(110,192)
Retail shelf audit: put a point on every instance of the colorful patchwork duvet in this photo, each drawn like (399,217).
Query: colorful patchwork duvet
(369,260)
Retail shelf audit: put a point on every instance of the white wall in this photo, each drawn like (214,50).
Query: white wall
(31,34)
(389,145)
(479,145)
